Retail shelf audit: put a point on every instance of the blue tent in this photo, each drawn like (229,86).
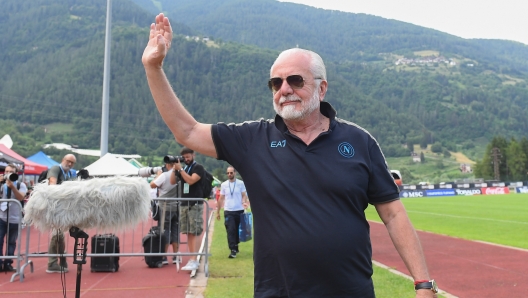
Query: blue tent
(41,158)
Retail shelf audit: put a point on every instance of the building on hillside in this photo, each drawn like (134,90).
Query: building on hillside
(415,157)
(465,168)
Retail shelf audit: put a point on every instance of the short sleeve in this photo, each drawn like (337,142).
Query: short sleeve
(53,172)
(159,181)
(382,187)
(233,140)
(23,188)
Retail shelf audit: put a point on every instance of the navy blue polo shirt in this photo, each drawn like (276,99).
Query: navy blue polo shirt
(311,235)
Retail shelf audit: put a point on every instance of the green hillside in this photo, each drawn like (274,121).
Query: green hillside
(52,62)
(337,36)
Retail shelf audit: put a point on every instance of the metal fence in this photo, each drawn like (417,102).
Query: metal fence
(106,247)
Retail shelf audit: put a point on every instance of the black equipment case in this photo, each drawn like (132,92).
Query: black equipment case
(153,242)
(101,244)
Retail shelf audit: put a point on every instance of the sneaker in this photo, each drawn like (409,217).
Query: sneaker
(191,265)
(55,268)
(165,261)
(232,255)
(8,268)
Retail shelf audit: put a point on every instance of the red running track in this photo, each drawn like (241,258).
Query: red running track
(461,267)
(133,280)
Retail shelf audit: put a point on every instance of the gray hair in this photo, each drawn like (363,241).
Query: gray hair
(317,67)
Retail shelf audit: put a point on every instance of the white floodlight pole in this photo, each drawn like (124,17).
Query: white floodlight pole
(106,80)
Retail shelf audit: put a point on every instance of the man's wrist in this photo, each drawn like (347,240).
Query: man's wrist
(420,281)
(426,285)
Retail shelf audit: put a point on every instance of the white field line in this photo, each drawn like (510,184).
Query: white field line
(394,271)
(469,217)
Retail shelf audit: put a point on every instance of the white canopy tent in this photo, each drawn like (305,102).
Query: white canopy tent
(110,165)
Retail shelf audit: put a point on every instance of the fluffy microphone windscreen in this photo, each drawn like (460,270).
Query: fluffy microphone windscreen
(108,204)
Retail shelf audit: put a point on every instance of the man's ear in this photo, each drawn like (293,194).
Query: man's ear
(322,90)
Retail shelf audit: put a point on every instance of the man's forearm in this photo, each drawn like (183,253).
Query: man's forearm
(245,199)
(404,237)
(177,118)
(220,204)
(408,246)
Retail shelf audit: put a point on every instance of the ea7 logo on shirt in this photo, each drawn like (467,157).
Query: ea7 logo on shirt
(275,144)
(346,149)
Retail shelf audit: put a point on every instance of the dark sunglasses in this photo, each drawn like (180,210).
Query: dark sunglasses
(295,81)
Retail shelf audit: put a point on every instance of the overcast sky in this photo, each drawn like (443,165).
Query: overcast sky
(491,19)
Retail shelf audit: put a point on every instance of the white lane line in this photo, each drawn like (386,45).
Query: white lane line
(469,217)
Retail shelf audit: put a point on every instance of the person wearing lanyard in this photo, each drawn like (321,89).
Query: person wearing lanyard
(191,212)
(233,199)
(10,214)
(56,175)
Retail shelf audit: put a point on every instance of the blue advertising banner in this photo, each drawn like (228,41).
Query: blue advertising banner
(440,192)
(523,189)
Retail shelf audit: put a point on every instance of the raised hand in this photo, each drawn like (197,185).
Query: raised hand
(159,42)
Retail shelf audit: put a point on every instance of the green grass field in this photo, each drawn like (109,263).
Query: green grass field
(501,219)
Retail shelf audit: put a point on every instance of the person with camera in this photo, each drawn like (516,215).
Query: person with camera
(171,208)
(191,213)
(233,199)
(56,175)
(311,176)
(10,213)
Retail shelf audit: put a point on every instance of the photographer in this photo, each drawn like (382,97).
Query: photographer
(167,189)
(10,214)
(191,220)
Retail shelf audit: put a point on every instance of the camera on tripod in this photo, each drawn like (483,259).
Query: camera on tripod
(11,176)
(173,159)
(147,171)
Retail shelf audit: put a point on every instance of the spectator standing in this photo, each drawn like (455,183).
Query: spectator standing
(10,215)
(191,213)
(233,200)
(56,175)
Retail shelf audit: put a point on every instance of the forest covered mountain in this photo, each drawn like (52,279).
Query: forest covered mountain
(336,35)
(52,62)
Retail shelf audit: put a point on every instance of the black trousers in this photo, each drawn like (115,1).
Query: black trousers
(232,224)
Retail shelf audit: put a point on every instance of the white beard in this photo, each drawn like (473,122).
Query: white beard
(290,113)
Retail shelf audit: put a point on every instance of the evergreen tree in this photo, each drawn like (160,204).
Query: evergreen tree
(516,161)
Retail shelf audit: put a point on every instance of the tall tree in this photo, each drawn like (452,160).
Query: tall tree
(516,161)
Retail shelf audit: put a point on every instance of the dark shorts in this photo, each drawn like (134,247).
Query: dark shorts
(171,232)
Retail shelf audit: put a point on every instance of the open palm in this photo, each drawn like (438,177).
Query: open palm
(159,42)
